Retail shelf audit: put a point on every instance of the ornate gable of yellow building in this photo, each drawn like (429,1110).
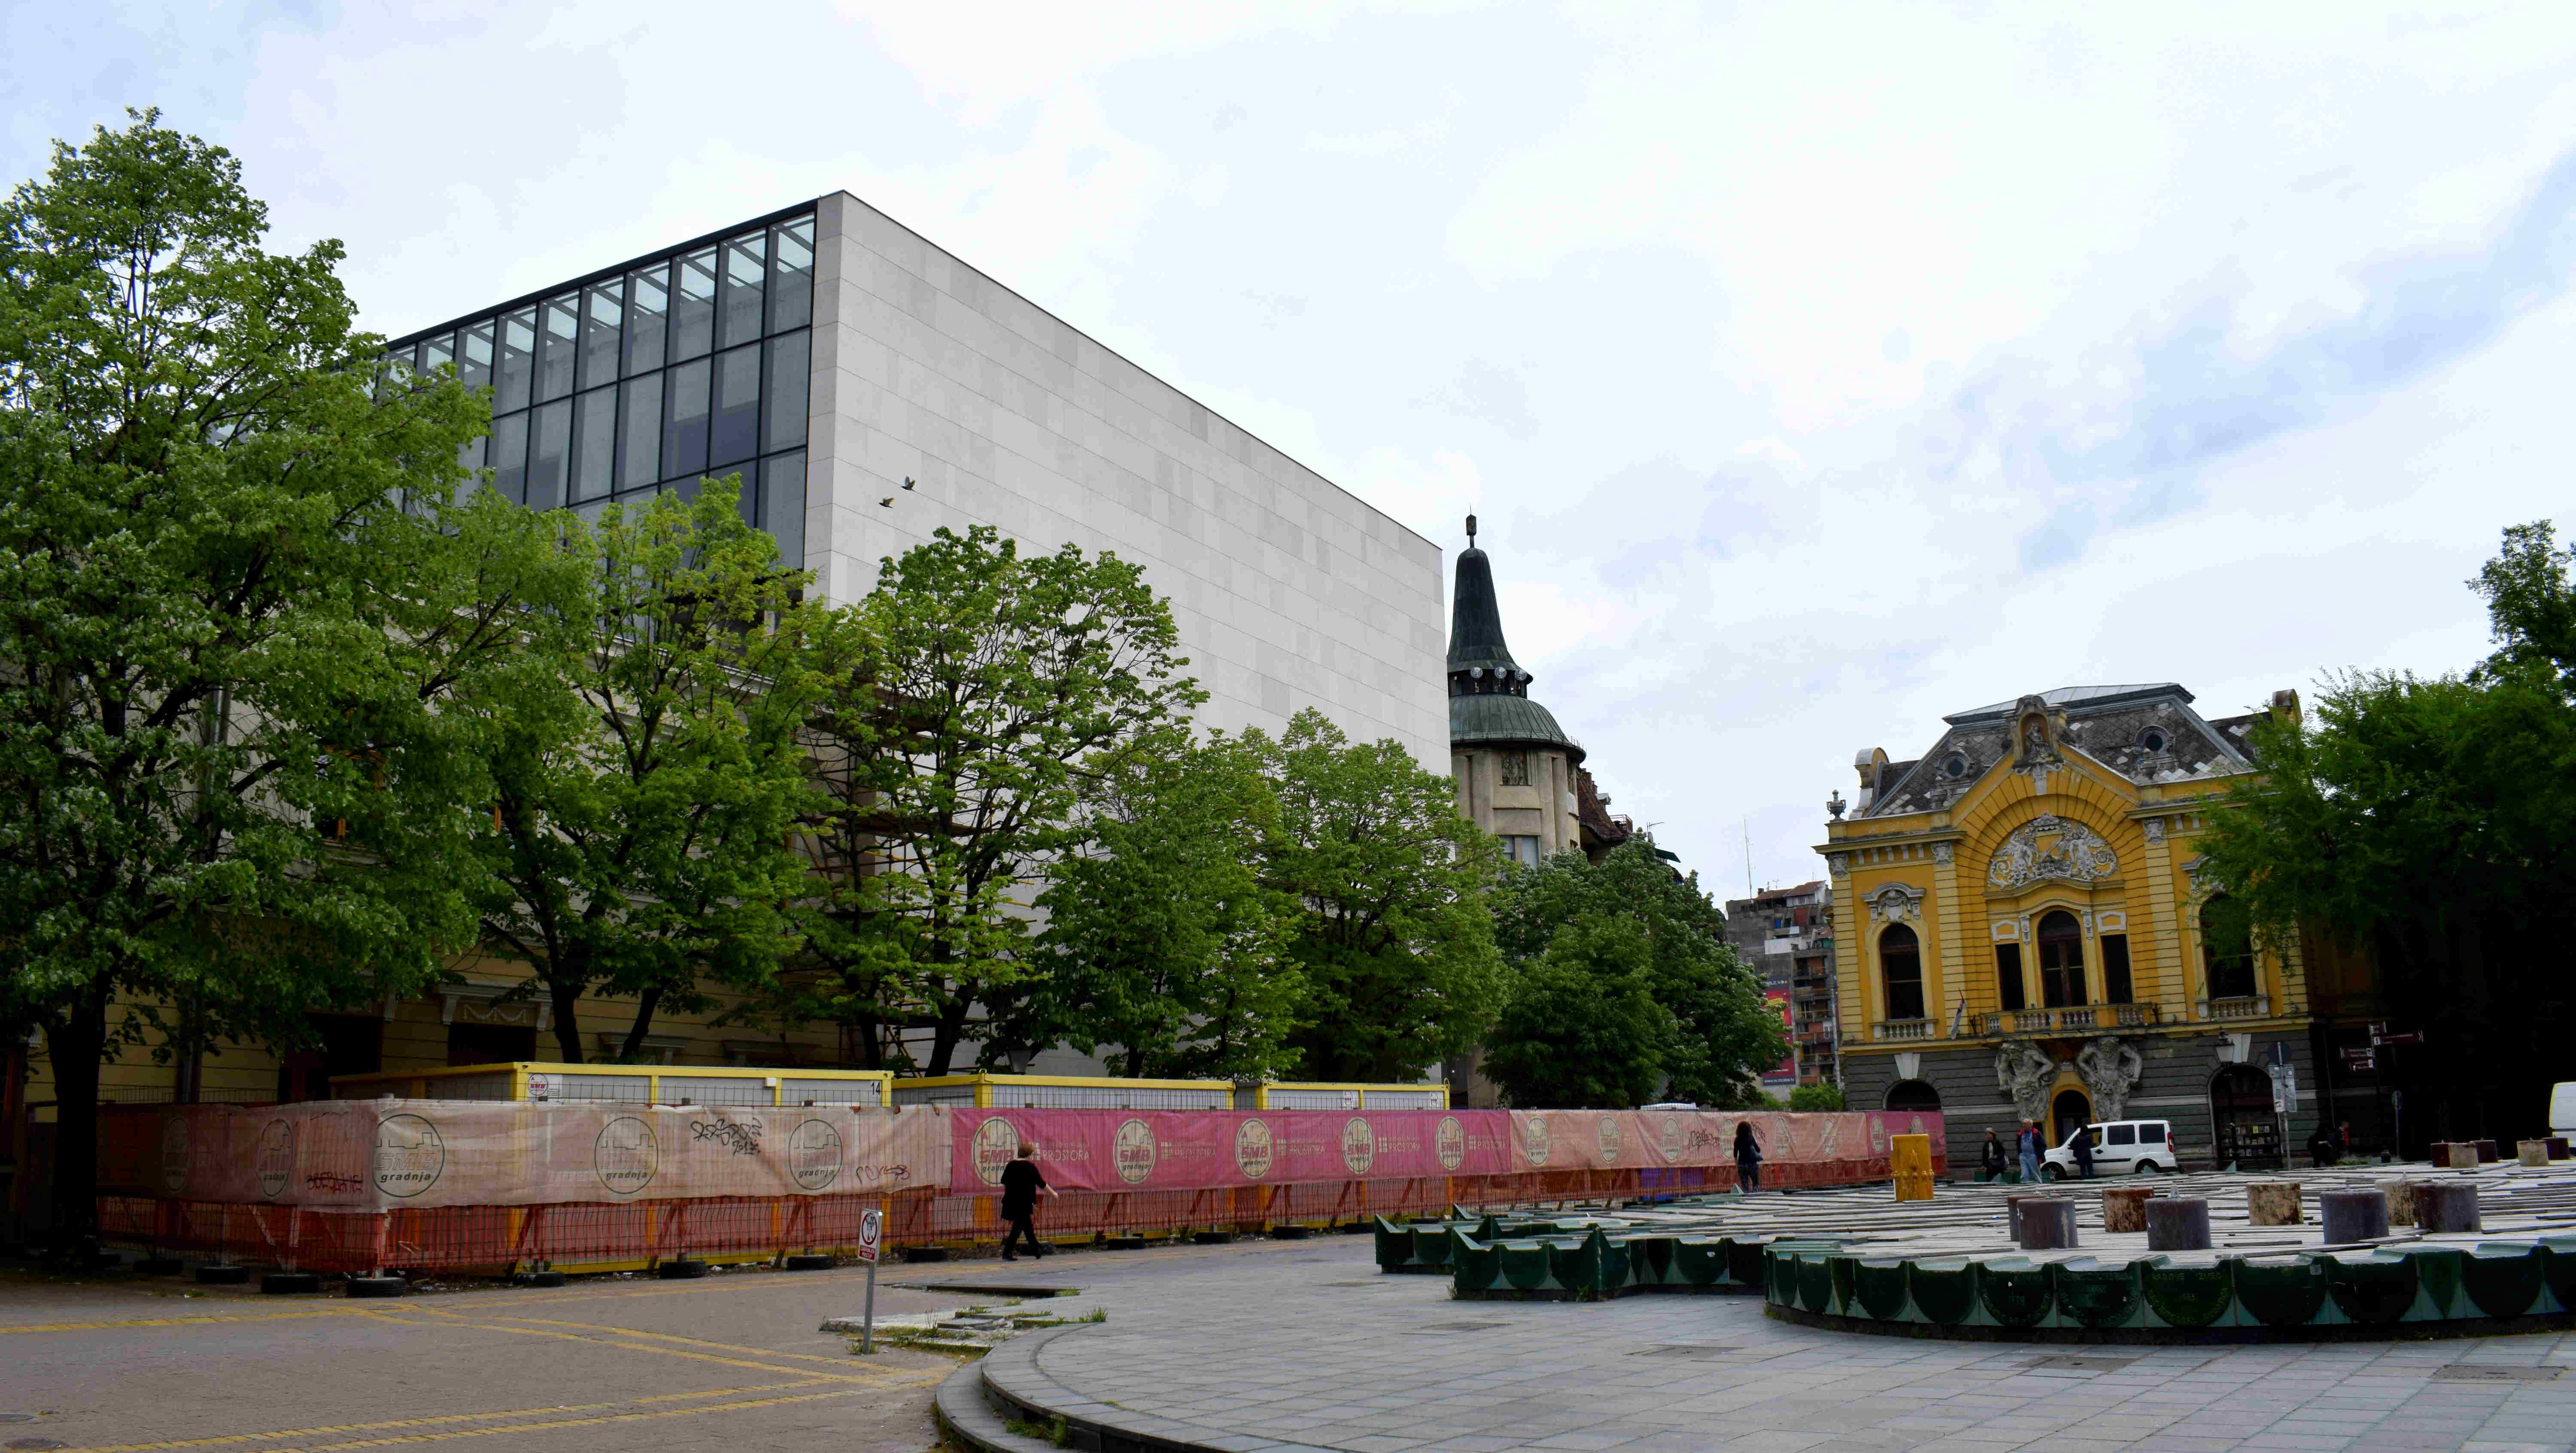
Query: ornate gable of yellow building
(2022,875)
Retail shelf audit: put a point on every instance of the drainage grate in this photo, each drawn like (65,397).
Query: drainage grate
(1462,1326)
(2484,1372)
(2064,1362)
(1685,1349)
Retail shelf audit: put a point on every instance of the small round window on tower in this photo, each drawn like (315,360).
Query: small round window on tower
(1955,765)
(2153,740)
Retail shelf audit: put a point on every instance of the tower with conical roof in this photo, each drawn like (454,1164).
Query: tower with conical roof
(1514,767)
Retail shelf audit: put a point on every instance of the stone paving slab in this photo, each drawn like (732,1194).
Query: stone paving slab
(1271,1345)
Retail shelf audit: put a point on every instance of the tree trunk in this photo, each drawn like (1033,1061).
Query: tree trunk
(870,1033)
(567,1001)
(950,1028)
(77,1045)
(645,1004)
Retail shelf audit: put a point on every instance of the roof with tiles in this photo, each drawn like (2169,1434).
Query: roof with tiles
(2147,733)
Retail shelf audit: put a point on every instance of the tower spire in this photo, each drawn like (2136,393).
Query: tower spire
(1489,703)
(1476,617)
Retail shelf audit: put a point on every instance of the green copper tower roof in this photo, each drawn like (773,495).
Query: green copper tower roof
(1489,701)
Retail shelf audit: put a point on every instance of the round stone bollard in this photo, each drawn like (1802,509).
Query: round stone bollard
(2487,1153)
(2532,1152)
(2124,1207)
(2272,1203)
(2047,1224)
(2446,1207)
(2012,1213)
(2401,1201)
(2557,1147)
(2456,1155)
(2177,1223)
(2352,1216)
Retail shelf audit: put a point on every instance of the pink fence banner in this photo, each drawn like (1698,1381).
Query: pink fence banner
(1147,1150)
(305,1155)
(1848,1143)
(388,1154)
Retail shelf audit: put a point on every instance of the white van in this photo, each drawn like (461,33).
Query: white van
(2120,1147)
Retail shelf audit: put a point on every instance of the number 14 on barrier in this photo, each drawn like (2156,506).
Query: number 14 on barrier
(871,1237)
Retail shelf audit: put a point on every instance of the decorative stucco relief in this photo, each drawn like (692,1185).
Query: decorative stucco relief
(2049,848)
(2025,1072)
(2110,1067)
(1896,903)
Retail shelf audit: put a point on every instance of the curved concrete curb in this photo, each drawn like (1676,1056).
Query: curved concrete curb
(1008,1384)
(965,1416)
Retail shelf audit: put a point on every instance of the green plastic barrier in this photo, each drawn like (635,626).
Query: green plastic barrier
(2437,1278)
(2093,1294)
(1878,1287)
(1591,1259)
(2016,1291)
(2280,1293)
(2376,1289)
(2503,1279)
(1944,1290)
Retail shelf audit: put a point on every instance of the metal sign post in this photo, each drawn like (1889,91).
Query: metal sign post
(871,1235)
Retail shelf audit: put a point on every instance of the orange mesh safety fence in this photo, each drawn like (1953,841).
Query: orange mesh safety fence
(432,1238)
(417,1185)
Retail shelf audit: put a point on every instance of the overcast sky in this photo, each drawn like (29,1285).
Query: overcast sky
(1815,369)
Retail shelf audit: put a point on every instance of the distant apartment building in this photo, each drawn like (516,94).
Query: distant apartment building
(1786,936)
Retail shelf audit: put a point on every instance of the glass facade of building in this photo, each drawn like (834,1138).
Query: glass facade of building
(649,377)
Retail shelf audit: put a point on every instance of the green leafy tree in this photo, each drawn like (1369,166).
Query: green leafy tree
(1162,949)
(2430,824)
(977,693)
(1392,932)
(647,768)
(230,786)
(1582,1029)
(1816,1098)
(1722,1033)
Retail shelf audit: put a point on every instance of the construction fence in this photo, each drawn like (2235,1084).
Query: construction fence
(465,1185)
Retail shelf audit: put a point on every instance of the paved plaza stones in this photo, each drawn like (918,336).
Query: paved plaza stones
(1291,1346)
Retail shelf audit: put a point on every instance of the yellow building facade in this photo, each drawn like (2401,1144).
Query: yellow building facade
(2022,931)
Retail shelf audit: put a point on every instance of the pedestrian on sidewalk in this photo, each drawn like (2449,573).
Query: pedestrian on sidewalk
(1021,1182)
(2082,1144)
(2027,1142)
(1994,1156)
(1748,1158)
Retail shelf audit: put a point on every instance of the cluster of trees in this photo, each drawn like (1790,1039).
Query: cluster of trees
(1624,988)
(2430,823)
(293,712)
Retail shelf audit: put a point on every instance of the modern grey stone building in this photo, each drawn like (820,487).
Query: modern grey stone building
(871,388)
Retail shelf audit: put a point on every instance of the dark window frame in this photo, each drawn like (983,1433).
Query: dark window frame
(1900,971)
(2061,960)
(2012,990)
(775,258)
(2118,987)
(2234,972)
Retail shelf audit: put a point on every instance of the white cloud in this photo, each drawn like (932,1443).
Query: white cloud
(1814,370)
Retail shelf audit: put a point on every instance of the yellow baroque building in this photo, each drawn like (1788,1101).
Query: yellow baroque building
(2023,933)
